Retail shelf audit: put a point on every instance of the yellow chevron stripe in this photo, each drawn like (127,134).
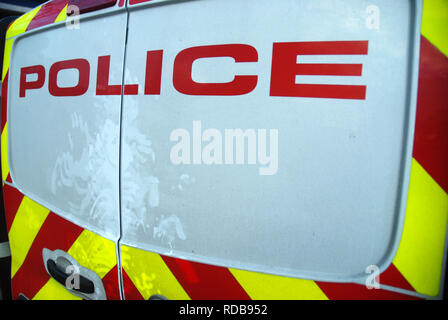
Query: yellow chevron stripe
(62,15)
(28,220)
(420,254)
(52,290)
(4,150)
(6,57)
(435,23)
(260,286)
(94,252)
(4,135)
(150,274)
(90,251)
(20,24)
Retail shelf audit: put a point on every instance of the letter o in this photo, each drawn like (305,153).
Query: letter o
(83,67)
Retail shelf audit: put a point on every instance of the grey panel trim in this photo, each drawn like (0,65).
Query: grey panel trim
(4,250)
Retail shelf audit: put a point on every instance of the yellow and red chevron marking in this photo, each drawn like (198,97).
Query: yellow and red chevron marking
(421,252)
(48,13)
(146,274)
(435,23)
(32,228)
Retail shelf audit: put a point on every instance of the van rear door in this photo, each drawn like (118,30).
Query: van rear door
(61,166)
(269,136)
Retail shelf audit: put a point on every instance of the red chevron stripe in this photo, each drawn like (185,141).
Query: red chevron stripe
(351,291)
(47,14)
(205,282)
(4,99)
(431,128)
(86,6)
(130,290)
(13,199)
(55,233)
(110,282)
(393,277)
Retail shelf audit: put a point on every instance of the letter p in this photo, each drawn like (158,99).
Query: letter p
(36,84)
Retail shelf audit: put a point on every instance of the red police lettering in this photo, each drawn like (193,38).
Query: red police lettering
(102,80)
(153,76)
(285,68)
(240,85)
(83,67)
(39,70)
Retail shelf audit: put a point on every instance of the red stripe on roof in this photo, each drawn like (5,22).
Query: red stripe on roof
(86,6)
(47,14)
(12,200)
(130,290)
(431,128)
(205,282)
(138,1)
(351,291)
(55,233)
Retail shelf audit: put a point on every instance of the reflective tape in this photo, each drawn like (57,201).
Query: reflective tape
(146,273)
(55,233)
(205,282)
(94,252)
(150,275)
(27,223)
(4,152)
(47,14)
(435,23)
(420,254)
(62,15)
(6,58)
(20,25)
(261,286)
(54,290)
